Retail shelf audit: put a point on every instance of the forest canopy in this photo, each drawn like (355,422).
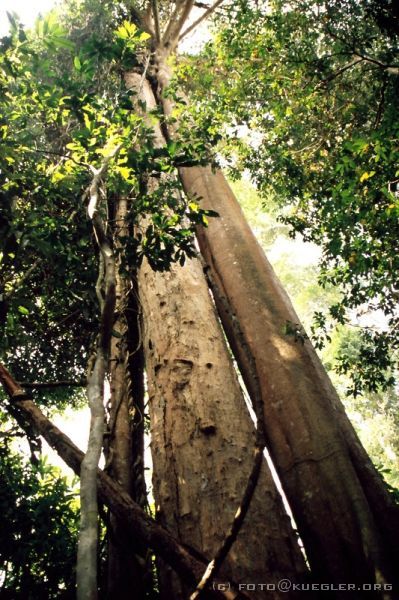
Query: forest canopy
(113,136)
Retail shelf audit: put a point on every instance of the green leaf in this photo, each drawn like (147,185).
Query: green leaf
(126,30)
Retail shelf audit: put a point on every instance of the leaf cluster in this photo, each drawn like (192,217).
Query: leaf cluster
(39,530)
(64,109)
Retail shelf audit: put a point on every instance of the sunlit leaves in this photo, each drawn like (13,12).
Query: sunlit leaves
(305,95)
(130,34)
(64,111)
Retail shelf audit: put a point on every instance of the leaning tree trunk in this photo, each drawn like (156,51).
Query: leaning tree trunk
(127,573)
(335,492)
(202,433)
(328,481)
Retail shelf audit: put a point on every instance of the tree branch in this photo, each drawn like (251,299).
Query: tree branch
(140,18)
(176,23)
(204,16)
(171,22)
(392,69)
(155,15)
(51,384)
(339,72)
(180,24)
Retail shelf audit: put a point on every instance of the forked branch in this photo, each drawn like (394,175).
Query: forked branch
(176,23)
(200,19)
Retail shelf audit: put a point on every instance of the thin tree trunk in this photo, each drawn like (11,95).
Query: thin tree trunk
(86,569)
(127,572)
(311,442)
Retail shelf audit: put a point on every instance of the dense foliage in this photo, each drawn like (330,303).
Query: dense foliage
(310,107)
(57,129)
(38,533)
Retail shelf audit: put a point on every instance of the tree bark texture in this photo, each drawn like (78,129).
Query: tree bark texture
(307,430)
(202,435)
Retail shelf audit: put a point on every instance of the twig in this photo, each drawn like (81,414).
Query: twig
(51,384)
(155,14)
(54,153)
(80,163)
(204,16)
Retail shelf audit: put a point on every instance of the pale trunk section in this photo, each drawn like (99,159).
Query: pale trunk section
(202,434)
(86,568)
(308,432)
(124,439)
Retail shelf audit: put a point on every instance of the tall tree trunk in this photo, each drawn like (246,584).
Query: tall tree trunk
(127,572)
(202,434)
(324,472)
